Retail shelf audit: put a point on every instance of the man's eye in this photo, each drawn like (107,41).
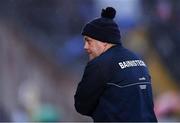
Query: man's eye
(88,41)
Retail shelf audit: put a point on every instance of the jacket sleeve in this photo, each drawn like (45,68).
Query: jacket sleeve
(89,90)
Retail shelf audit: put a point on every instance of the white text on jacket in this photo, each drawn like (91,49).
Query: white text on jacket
(131,63)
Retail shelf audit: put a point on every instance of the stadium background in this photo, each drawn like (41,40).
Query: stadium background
(42,57)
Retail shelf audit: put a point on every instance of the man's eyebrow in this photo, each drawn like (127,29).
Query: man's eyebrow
(86,38)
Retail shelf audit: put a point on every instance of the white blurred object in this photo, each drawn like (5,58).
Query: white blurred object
(29,92)
(130,9)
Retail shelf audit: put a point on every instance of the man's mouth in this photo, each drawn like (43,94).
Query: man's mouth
(87,51)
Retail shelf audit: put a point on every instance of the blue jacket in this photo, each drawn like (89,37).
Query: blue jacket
(116,86)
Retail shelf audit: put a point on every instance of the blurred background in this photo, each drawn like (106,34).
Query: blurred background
(42,57)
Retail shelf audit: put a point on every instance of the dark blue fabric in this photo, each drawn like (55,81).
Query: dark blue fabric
(109,93)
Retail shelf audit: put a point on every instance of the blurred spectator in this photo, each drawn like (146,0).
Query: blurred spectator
(167,106)
(46,113)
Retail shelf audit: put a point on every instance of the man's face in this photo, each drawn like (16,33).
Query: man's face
(93,47)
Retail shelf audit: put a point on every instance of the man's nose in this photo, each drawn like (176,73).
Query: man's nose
(86,46)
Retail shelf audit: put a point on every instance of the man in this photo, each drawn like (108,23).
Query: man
(116,84)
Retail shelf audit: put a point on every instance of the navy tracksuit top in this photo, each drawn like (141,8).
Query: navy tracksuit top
(116,86)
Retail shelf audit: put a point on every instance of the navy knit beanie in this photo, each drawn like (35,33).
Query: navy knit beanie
(104,28)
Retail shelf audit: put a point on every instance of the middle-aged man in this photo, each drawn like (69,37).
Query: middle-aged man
(116,85)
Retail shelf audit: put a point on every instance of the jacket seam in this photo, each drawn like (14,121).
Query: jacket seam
(128,85)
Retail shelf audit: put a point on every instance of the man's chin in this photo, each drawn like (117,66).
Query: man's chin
(91,57)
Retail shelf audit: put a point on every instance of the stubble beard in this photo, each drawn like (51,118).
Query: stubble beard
(91,57)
